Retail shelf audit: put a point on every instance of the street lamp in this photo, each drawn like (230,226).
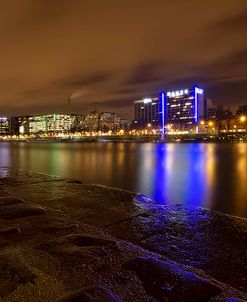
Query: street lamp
(242,118)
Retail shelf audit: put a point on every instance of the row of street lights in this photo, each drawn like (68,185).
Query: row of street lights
(242,119)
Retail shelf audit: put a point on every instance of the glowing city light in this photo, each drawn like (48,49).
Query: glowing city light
(163,112)
(242,118)
(177,93)
(146,101)
(197,91)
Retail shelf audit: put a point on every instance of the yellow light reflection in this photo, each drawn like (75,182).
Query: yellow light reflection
(240,206)
(210,173)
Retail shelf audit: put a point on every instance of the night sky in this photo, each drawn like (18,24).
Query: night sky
(114,51)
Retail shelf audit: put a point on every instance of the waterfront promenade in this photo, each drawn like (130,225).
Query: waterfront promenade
(169,138)
(62,240)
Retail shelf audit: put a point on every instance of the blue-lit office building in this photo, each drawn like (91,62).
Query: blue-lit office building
(182,108)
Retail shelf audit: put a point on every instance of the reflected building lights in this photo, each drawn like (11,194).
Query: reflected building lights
(145,166)
(210,166)
(241,206)
(5,155)
(180,175)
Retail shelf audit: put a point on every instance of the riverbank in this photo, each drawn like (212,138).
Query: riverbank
(232,137)
(60,235)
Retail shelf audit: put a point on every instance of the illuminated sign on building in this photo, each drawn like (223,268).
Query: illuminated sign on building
(146,101)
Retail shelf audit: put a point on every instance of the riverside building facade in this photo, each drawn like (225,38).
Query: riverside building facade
(147,112)
(51,123)
(4,126)
(182,109)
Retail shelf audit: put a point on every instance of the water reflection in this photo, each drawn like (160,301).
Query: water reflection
(207,175)
(4,156)
(180,175)
(241,190)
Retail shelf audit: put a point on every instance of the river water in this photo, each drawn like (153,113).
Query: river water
(206,175)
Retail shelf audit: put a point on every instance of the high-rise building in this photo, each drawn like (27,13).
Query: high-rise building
(147,111)
(4,126)
(184,108)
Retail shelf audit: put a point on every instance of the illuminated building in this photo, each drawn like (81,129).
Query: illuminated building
(109,122)
(51,123)
(182,108)
(19,125)
(124,124)
(147,111)
(91,122)
(77,122)
(60,122)
(4,126)
(37,124)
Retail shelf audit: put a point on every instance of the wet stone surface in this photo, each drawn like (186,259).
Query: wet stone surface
(91,294)
(87,248)
(12,274)
(235,300)
(168,282)
(10,231)
(192,236)
(58,236)
(20,211)
(10,200)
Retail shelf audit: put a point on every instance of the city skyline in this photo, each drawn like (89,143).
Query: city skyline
(131,114)
(116,53)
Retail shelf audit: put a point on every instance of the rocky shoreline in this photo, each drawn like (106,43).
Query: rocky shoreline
(61,240)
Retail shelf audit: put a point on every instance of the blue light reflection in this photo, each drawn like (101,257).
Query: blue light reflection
(180,175)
